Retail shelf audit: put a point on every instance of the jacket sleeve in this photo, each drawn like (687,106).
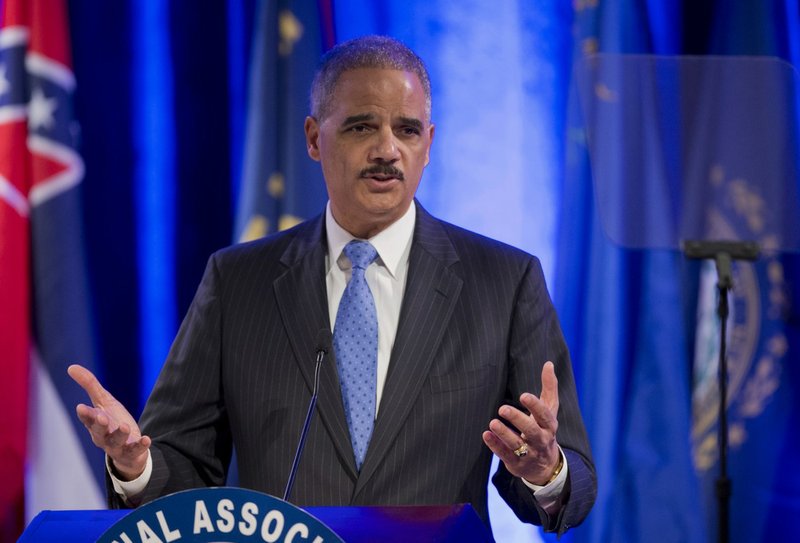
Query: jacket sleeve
(535,338)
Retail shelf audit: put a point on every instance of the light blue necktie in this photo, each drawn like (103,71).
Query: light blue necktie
(355,342)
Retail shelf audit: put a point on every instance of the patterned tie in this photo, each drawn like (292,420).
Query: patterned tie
(355,342)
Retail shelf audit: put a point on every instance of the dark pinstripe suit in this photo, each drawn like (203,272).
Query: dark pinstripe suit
(476,326)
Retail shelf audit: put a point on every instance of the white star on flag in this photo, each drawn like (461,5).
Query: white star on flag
(5,84)
(40,110)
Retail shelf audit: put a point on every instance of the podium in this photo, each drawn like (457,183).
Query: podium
(440,524)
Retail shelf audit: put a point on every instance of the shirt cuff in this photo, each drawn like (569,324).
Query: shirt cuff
(130,489)
(549,494)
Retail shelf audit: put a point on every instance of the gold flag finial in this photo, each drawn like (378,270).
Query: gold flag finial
(291,30)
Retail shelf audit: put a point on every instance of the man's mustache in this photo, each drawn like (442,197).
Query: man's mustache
(383,169)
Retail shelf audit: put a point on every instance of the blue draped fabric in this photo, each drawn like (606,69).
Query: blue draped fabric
(764,407)
(629,315)
(622,318)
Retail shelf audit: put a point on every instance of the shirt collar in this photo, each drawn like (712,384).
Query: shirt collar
(391,243)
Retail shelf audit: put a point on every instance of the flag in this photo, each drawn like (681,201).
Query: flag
(14,287)
(753,180)
(750,178)
(281,185)
(45,312)
(622,315)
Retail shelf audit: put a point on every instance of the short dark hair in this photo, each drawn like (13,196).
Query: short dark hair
(364,52)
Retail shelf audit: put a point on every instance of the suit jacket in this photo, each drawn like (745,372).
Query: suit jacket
(475,328)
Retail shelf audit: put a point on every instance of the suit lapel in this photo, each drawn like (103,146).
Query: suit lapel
(431,292)
(302,299)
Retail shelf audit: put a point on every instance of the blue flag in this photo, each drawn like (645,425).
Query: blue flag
(622,316)
(701,147)
(281,185)
(755,196)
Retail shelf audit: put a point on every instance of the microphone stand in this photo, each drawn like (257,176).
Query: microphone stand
(322,349)
(723,253)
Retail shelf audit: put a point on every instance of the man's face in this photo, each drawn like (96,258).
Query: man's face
(373,146)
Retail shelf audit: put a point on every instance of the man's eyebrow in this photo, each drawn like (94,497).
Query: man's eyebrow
(364,117)
(355,119)
(411,121)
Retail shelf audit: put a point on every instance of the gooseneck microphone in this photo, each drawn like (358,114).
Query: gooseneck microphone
(323,347)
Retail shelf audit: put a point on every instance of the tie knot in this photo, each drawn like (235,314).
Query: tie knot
(361,253)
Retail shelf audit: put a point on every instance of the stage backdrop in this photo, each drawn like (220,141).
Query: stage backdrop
(189,116)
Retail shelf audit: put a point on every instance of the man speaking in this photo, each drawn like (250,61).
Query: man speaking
(440,337)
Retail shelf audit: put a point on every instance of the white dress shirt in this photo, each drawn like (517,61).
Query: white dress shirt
(386,278)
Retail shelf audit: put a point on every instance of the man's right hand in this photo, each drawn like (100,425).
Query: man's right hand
(111,426)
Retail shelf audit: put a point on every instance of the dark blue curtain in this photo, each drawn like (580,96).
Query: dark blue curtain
(106,67)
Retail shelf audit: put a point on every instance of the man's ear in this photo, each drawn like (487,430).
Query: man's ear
(311,127)
(431,131)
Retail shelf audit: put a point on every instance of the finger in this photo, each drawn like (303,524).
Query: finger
(499,448)
(86,414)
(543,415)
(550,386)
(137,447)
(520,420)
(95,419)
(119,438)
(106,432)
(89,383)
(508,437)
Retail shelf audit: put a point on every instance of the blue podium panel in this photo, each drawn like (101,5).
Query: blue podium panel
(439,524)
(402,524)
(70,526)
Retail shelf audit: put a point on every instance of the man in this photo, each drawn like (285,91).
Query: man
(451,329)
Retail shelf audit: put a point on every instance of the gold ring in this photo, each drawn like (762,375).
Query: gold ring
(522,450)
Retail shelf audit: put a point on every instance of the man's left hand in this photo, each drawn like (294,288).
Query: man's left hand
(537,454)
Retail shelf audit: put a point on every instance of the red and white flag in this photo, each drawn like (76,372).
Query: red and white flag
(45,319)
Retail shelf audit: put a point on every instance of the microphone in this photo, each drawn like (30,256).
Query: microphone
(323,348)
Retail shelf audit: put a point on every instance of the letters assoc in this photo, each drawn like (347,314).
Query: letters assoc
(272,527)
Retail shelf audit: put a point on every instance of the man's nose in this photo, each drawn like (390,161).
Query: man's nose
(385,147)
